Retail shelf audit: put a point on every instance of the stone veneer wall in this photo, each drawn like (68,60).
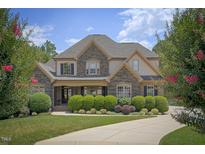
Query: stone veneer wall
(44,80)
(124,76)
(92,53)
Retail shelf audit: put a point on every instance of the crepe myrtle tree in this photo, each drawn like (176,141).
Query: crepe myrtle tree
(182,54)
(11,91)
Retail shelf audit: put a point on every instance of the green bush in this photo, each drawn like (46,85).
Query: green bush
(88,112)
(75,102)
(142,113)
(98,112)
(149,102)
(161,103)
(25,111)
(124,101)
(39,102)
(99,102)
(93,111)
(155,111)
(145,110)
(88,102)
(103,111)
(34,114)
(110,102)
(138,102)
(81,111)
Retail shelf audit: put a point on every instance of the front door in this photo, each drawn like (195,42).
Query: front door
(66,93)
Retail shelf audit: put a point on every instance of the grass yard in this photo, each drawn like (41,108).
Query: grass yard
(183,136)
(32,129)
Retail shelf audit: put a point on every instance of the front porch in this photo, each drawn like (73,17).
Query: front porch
(63,93)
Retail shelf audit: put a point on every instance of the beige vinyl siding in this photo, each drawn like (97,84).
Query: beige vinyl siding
(114,64)
(144,68)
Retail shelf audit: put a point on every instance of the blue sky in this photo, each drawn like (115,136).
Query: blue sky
(65,27)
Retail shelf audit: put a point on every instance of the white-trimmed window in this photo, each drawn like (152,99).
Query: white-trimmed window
(124,90)
(92,68)
(135,65)
(67,68)
(150,90)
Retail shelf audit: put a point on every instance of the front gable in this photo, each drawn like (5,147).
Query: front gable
(92,53)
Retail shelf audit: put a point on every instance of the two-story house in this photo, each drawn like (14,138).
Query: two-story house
(98,65)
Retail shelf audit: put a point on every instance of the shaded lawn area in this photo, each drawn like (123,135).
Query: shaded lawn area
(184,136)
(29,130)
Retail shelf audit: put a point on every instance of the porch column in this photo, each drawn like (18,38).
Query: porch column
(82,91)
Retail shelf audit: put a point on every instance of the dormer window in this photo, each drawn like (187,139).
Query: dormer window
(92,68)
(135,65)
(67,68)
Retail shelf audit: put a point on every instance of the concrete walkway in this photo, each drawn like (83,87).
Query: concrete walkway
(144,131)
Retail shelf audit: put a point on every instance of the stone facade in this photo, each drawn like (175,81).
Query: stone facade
(124,76)
(43,80)
(92,53)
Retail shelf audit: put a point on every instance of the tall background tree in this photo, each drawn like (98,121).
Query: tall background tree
(17,61)
(182,54)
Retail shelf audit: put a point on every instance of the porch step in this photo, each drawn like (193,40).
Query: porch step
(60,108)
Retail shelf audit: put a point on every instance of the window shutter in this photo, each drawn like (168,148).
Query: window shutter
(72,69)
(145,90)
(61,69)
(155,91)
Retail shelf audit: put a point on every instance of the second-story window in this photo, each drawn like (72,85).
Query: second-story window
(92,68)
(135,65)
(67,69)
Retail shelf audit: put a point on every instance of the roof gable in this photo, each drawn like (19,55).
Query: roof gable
(107,45)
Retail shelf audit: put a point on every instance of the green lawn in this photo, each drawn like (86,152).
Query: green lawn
(183,136)
(32,129)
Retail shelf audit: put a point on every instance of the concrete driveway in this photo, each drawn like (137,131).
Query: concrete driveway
(144,131)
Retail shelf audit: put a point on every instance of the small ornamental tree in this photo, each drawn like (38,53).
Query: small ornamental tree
(182,54)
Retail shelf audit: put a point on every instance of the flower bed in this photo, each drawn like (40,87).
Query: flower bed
(137,105)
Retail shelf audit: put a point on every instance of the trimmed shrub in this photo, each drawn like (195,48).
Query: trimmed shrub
(75,102)
(99,102)
(110,102)
(161,103)
(124,101)
(88,112)
(39,102)
(138,102)
(25,110)
(34,114)
(142,113)
(155,111)
(132,108)
(75,111)
(93,111)
(98,112)
(21,115)
(103,111)
(144,110)
(125,109)
(118,108)
(88,102)
(81,111)
(149,102)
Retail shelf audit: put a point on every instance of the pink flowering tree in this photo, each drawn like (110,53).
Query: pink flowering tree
(182,55)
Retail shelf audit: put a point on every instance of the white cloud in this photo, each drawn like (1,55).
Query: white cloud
(38,34)
(72,41)
(141,25)
(90,28)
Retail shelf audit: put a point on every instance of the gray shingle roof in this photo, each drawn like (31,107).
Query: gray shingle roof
(113,49)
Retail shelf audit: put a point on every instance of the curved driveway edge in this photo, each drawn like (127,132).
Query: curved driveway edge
(137,132)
